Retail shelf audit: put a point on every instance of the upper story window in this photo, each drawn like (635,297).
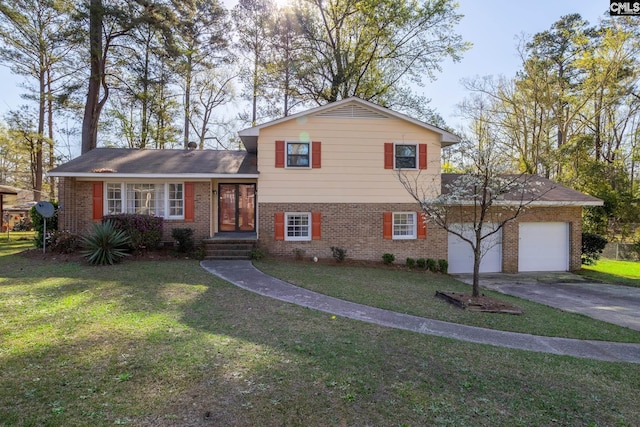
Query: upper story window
(406,156)
(298,155)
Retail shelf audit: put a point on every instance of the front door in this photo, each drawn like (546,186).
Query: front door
(237,207)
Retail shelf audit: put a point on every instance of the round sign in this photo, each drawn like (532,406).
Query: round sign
(45,209)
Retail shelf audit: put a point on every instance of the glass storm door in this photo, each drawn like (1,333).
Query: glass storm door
(237,207)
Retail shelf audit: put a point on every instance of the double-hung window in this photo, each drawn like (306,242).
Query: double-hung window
(176,200)
(158,199)
(297,226)
(114,198)
(298,154)
(406,156)
(404,225)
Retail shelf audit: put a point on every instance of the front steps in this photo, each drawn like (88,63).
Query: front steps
(229,248)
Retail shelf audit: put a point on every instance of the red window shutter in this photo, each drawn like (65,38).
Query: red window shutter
(279,154)
(316,226)
(279,225)
(388,155)
(98,200)
(422,225)
(387,225)
(422,156)
(189,202)
(316,154)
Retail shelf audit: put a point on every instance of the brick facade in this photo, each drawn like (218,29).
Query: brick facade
(76,211)
(355,227)
(358,229)
(569,214)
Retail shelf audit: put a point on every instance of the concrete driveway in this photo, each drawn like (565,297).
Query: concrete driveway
(569,292)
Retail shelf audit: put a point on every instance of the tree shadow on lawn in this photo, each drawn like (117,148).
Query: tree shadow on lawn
(194,350)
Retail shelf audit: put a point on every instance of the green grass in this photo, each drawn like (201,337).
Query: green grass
(16,241)
(613,271)
(412,292)
(164,343)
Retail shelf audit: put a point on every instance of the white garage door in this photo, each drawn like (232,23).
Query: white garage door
(543,246)
(461,254)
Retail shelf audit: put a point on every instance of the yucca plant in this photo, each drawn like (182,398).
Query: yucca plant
(106,245)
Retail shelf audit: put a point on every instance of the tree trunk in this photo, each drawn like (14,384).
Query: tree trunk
(187,100)
(39,166)
(477,257)
(254,109)
(93,106)
(476,275)
(52,154)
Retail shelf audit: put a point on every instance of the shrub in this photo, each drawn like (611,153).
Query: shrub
(298,254)
(38,223)
(24,225)
(144,231)
(388,258)
(443,266)
(411,262)
(64,242)
(592,247)
(338,253)
(636,248)
(106,245)
(184,238)
(421,263)
(257,253)
(432,265)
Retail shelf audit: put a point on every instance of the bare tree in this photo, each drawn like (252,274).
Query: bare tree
(213,91)
(476,205)
(253,20)
(202,41)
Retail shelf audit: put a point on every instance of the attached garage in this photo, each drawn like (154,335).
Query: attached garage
(543,246)
(461,254)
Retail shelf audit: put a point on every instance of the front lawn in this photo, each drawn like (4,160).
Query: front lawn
(412,292)
(614,271)
(164,343)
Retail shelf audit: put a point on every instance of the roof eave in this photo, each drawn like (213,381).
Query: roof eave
(538,203)
(247,135)
(91,175)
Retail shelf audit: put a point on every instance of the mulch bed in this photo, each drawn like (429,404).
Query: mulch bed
(480,303)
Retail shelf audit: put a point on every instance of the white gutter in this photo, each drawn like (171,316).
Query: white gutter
(525,204)
(109,175)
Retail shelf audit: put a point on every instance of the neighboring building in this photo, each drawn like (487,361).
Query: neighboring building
(15,205)
(321,178)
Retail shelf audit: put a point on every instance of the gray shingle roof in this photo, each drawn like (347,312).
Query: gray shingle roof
(120,162)
(546,191)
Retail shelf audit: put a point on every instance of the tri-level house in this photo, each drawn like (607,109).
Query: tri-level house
(326,177)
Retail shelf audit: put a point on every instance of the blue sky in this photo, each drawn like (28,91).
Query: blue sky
(493,26)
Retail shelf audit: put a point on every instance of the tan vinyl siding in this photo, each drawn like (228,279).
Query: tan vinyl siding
(352,161)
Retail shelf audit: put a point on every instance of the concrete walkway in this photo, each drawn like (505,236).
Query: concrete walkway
(246,276)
